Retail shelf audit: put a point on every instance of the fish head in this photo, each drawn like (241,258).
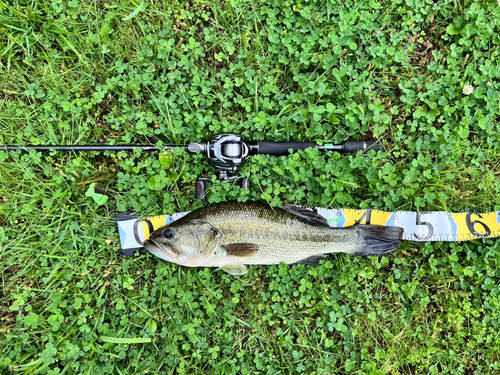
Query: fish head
(191,243)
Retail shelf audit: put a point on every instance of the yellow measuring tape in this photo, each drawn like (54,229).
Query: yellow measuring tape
(422,226)
(418,226)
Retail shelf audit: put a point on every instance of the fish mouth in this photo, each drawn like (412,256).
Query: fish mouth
(165,252)
(151,246)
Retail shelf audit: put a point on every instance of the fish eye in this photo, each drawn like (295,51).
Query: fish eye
(169,233)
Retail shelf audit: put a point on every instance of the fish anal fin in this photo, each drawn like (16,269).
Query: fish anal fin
(235,269)
(313,259)
(240,249)
(306,213)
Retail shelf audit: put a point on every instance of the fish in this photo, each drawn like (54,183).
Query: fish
(231,235)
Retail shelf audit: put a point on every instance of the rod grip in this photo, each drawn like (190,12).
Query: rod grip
(354,146)
(281,148)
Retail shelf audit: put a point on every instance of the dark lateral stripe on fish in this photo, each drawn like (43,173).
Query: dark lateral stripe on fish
(241,249)
(379,239)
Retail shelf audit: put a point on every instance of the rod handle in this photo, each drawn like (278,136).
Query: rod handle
(281,148)
(353,146)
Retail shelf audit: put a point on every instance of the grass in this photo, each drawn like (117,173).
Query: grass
(84,72)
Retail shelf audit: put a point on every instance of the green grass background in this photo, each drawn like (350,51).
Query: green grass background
(85,71)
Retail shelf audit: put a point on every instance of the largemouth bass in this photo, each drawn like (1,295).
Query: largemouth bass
(231,235)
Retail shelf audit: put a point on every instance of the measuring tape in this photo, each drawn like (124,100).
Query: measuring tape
(418,226)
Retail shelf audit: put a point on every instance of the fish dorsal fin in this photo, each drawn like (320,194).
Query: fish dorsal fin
(306,213)
(240,249)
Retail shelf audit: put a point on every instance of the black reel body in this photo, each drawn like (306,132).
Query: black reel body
(227,153)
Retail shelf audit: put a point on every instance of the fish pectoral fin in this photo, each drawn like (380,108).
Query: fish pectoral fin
(312,259)
(235,269)
(240,249)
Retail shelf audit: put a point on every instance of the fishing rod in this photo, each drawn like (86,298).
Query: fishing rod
(226,153)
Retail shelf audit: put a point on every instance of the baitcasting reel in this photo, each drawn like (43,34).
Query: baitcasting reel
(227,153)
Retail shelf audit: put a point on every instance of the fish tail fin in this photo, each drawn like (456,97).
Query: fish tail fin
(379,239)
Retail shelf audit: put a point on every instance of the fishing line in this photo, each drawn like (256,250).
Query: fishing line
(105,219)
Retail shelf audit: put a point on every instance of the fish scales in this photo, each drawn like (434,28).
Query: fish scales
(280,235)
(231,235)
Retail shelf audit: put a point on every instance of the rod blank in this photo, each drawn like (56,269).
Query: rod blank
(81,148)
